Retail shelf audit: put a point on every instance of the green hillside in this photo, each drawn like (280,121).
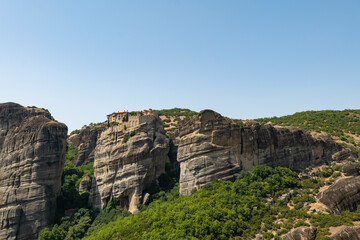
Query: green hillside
(220,210)
(175,112)
(342,126)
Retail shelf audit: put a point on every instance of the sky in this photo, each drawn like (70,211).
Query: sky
(244,59)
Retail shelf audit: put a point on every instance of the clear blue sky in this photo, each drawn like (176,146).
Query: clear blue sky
(245,59)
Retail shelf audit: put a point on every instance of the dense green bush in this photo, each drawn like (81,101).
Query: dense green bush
(176,112)
(219,210)
(70,198)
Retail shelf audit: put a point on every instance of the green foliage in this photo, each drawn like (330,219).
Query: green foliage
(104,217)
(70,197)
(176,112)
(326,172)
(56,233)
(125,139)
(312,183)
(219,210)
(71,228)
(75,132)
(126,118)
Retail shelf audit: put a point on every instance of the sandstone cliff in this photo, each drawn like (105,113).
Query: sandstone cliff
(85,141)
(32,150)
(342,195)
(127,161)
(348,233)
(301,233)
(211,147)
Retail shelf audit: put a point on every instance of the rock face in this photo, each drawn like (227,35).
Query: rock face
(85,184)
(85,141)
(210,147)
(32,152)
(127,161)
(350,169)
(348,233)
(301,233)
(342,195)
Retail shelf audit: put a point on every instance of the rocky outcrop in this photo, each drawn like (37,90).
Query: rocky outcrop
(301,233)
(212,147)
(348,233)
(85,141)
(127,161)
(85,184)
(32,151)
(287,196)
(342,195)
(350,169)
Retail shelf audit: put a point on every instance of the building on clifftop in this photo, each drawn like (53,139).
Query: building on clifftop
(128,119)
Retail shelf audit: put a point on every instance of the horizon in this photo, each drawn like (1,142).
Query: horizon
(83,60)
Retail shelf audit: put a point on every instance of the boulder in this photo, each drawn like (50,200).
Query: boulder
(348,233)
(350,169)
(342,195)
(301,233)
(85,184)
(287,196)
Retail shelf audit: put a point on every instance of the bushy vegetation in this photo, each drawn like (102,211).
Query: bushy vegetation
(225,210)
(220,210)
(70,197)
(176,112)
(341,125)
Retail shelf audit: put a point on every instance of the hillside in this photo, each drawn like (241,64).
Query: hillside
(259,202)
(342,126)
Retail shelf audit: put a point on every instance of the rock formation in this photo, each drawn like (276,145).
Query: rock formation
(301,233)
(32,151)
(85,184)
(350,169)
(85,141)
(348,233)
(127,161)
(212,147)
(342,195)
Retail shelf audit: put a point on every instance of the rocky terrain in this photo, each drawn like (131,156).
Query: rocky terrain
(32,150)
(127,161)
(342,195)
(348,233)
(305,233)
(85,141)
(212,147)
